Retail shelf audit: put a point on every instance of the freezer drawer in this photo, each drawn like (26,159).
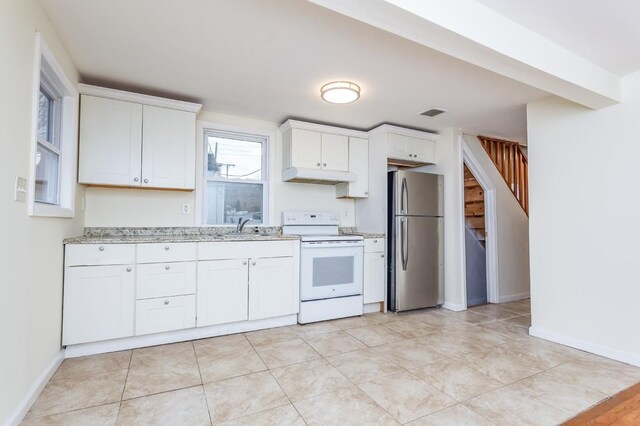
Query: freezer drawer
(418,268)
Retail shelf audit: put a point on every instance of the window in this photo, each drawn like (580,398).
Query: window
(48,145)
(53,168)
(235,177)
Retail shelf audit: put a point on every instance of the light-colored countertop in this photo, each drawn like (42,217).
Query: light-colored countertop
(176,235)
(190,235)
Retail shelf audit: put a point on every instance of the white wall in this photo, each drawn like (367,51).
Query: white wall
(584,223)
(130,207)
(31,255)
(450,165)
(512,230)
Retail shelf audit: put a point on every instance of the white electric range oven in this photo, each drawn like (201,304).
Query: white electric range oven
(331,266)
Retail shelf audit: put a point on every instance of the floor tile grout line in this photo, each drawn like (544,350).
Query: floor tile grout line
(204,393)
(278,383)
(124,386)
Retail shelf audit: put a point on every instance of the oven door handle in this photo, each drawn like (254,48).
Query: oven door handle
(404,242)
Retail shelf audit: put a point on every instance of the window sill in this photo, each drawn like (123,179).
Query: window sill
(46,210)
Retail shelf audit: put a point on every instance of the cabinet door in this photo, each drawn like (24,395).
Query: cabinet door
(222,291)
(273,287)
(98,303)
(110,142)
(374,277)
(168,148)
(165,314)
(306,149)
(424,151)
(335,152)
(399,147)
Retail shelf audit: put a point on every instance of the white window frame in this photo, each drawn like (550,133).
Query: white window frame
(65,130)
(268,158)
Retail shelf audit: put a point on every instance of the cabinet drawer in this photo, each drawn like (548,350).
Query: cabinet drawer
(245,249)
(165,314)
(165,279)
(99,254)
(372,245)
(166,252)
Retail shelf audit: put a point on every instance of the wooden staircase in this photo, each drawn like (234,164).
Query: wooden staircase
(512,163)
(474,205)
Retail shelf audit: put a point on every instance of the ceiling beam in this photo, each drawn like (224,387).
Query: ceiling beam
(469,31)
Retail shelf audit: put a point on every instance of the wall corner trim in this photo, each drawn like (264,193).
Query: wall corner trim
(607,352)
(32,394)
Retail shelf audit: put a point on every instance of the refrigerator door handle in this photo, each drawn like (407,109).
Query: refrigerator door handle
(404,197)
(404,243)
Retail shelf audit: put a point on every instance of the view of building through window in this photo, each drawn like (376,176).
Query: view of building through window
(235,178)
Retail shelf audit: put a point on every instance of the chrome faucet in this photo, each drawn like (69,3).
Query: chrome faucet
(241,224)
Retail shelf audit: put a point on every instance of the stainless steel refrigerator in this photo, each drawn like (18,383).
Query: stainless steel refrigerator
(416,243)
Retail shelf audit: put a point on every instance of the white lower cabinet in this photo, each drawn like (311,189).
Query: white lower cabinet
(165,314)
(165,279)
(98,303)
(164,287)
(375,271)
(273,287)
(222,291)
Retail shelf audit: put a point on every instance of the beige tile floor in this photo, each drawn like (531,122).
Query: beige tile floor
(429,367)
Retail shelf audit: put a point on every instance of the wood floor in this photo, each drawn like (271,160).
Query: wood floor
(621,409)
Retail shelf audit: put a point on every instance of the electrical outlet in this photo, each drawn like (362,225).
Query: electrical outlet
(346,213)
(21,190)
(186,208)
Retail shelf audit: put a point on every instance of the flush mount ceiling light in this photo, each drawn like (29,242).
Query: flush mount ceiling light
(340,92)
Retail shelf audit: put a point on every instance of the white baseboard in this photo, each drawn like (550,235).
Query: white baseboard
(371,307)
(626,357)
(453,306)
(514,297)
(83,349)
(32,394)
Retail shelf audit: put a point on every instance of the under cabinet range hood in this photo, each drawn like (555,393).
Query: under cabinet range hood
(319,176)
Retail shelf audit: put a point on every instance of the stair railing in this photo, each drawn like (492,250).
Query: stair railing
(512,163)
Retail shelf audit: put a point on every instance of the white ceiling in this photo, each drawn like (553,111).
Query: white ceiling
(604,32)
(267,59)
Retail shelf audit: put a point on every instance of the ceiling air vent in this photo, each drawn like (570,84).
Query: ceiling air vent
(433,112)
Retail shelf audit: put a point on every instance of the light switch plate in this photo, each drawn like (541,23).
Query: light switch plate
(21,189)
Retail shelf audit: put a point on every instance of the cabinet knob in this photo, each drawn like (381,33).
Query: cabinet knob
(166,302)
(129,269)
(166,247)
(382,255)
(146,181)
(135,179)
(253,263)
(318,164)
(101,248)
(324,165)
(415,155)
(410,155)
(167,267)
(244,263)
(375,241)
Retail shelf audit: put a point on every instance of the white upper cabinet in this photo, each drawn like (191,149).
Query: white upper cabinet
(335,152)
(304,148)
(110,142)
(358,165)
(133,140)
(407,150)
(168,148)
(315,153)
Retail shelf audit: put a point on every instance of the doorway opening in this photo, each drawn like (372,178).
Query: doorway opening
(475,240)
